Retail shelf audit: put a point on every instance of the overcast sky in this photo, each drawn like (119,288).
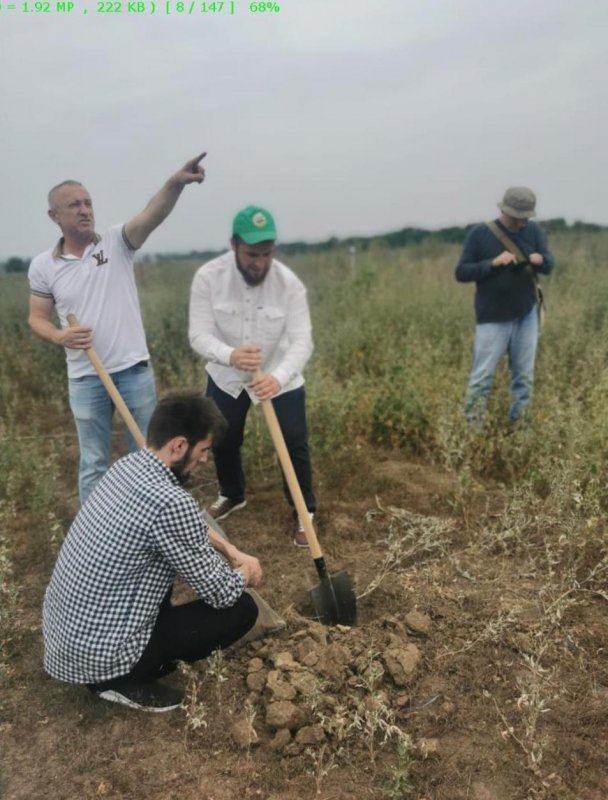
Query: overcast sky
(341,116)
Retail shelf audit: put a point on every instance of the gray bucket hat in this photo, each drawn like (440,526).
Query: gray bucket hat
(519,202)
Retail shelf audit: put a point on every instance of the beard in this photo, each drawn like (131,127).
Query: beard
(179,468)
(251,280)
(182,477)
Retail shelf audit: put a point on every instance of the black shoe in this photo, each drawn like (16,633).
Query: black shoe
(223,506)
(151,696)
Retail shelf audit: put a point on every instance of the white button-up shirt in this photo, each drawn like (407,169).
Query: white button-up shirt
(225,313)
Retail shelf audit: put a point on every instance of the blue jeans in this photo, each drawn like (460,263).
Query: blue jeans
(518,338)
(93,408)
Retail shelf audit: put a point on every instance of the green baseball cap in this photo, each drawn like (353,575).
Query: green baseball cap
(254,225)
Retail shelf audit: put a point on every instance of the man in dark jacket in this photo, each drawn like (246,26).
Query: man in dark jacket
(504,259)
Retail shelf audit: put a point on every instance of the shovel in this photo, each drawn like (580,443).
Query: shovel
(268,620)
(111,389)
(334,597)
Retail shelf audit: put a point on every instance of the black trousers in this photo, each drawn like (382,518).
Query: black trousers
(291,413)
(187,633)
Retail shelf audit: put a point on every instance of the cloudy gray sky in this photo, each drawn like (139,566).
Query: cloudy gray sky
(341,116)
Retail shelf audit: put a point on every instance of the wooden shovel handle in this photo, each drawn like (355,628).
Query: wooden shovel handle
(107,381)
(290,476)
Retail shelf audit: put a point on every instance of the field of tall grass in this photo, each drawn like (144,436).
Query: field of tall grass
(393,335)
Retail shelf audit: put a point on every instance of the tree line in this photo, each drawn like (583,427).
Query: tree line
(401,238)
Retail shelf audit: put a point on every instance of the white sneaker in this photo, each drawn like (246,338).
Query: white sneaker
(151,696)
(299,534)
(224,506)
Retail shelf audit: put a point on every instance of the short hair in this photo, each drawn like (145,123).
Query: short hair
(51,196)
(238,240)
(186,413)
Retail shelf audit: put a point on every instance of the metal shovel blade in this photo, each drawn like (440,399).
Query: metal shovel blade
(334,599)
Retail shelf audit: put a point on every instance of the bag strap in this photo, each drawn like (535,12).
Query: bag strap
(510,245)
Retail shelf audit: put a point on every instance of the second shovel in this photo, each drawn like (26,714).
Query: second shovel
(334,597)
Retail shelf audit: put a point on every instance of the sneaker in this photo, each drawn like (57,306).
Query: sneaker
(152,696)
(224,506)
(299,535)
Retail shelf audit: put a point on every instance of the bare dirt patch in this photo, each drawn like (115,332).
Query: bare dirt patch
(463,680)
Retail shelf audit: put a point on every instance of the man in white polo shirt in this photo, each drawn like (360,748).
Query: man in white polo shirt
(93,277)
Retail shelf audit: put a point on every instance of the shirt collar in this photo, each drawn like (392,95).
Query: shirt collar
(159,465)
(58,251)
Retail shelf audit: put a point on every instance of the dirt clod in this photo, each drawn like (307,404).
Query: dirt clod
(428,747)
(285,714)
(281,739)
(402,662)
(244,734)
(418,623)
(279,687)
(310,734)
(284,661)
(256,681)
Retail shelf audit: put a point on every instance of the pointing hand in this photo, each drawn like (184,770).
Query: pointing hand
(191,172)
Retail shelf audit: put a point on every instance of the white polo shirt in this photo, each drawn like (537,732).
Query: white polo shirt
(225,312)
(99,288)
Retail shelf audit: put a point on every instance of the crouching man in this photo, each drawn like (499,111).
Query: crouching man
(108,621)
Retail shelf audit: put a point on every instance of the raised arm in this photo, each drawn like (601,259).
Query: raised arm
(161,205)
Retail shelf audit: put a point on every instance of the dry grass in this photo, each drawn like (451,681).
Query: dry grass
(504,547)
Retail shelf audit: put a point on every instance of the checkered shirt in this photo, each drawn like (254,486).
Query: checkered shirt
(138,530)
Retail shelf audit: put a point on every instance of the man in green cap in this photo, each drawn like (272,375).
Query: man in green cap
(249,320)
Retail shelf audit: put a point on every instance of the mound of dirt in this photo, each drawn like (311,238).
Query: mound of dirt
(313,683)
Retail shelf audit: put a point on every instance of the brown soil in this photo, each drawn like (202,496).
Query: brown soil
(449,647)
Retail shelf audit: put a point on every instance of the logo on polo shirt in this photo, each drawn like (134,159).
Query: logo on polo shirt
(99,258)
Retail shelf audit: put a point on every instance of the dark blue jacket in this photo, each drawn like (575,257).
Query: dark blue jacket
(502,293)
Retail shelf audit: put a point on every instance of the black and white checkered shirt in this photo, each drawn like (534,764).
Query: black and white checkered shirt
(138,530)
